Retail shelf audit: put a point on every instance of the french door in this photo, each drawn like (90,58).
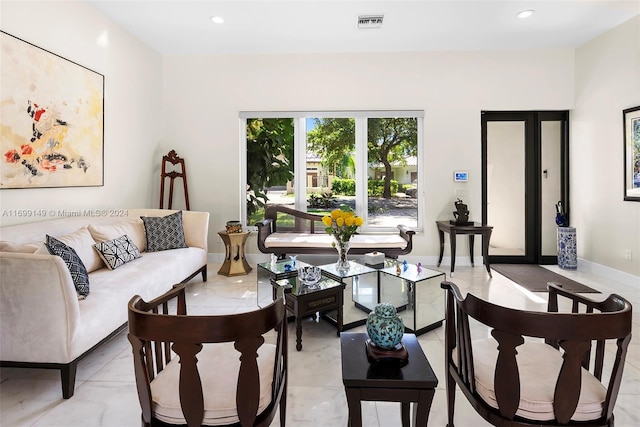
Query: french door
(525,173)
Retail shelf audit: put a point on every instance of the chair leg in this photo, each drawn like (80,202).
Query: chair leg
(283,408)
(451,399)
(204,274)
(68,377)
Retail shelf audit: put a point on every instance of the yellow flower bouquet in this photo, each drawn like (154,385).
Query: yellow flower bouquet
(341,225)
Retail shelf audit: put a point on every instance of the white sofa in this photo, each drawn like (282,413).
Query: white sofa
(43,321)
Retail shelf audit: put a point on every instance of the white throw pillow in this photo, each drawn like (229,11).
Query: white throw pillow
(82,242)
(133,228)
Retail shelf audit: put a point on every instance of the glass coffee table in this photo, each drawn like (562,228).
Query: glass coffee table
(304,300)
(360,293)
(417,292)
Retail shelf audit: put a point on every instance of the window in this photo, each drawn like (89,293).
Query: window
(369,161)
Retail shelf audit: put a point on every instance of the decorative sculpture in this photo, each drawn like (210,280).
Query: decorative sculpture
(461,214)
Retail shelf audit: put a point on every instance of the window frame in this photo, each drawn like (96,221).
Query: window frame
(361,132)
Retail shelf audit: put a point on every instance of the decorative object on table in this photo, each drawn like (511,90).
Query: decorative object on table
(561,217)
(419,267)
(341,225)
(310,275)
(374,259)
(461,214)
(294,259)
(405,265)
(234,227)
(567,248)
(274,260)
(632,154)
(287,267)
(52,119)
(385,329)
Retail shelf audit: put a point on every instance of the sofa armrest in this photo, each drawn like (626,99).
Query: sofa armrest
(265,228)
(39,310)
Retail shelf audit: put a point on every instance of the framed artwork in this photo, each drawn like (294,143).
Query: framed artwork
(631,118)
(51,119)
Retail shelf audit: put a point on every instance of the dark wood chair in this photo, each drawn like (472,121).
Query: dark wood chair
(226,370)
(554,368)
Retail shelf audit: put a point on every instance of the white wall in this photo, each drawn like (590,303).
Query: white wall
(607,81)
(133,104)
(203,96)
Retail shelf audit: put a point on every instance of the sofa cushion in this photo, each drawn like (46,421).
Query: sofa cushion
(164,233)
(117,252)
(82,242)
(320,240)
(539,365)
(77,269)
(133,228)
(218,365)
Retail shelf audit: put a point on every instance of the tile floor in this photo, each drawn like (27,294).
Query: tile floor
(105,393)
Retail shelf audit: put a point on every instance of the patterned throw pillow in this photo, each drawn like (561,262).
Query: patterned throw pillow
(77,269)
(117,252)
(164,233)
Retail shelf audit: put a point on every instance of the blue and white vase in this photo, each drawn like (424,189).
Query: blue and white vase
(567,248)
(384,326)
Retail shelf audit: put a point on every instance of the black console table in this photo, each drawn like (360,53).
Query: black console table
(471,230)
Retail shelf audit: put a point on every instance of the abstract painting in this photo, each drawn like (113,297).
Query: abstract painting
(51,119)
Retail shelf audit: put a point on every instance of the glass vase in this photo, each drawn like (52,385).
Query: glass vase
(342,246)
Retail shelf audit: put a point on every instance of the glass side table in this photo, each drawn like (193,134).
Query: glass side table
(416,295)
(277,271)
(361,287)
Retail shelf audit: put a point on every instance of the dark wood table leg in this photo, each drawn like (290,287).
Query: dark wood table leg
(404,413)
(472,240)
(298,333)
(452,240)
(355,411)
(422,407)
(340,312)
(441,234)
(486,237)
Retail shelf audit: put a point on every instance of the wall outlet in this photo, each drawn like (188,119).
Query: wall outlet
(627,255)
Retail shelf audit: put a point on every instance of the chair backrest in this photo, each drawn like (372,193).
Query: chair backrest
(575,325)
(161,327)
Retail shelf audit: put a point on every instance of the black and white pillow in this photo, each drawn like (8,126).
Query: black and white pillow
(117,252)
(77,269)
(164,233)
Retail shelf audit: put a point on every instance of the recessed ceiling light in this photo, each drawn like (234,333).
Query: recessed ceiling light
(217,20)
(525,13)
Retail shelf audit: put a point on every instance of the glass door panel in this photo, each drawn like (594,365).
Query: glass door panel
(506,187)
(550,183)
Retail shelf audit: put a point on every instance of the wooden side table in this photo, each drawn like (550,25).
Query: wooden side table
(414,382)
(302,300)
(235,263)
(471,230)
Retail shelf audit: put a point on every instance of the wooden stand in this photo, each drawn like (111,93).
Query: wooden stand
(235,263)
(375,354)
(174,159)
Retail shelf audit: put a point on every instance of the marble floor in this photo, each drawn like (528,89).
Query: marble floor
(105,394)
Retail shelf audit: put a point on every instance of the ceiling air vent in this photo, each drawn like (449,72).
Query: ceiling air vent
(370,21)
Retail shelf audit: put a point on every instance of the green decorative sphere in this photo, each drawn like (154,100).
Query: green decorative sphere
(384,326)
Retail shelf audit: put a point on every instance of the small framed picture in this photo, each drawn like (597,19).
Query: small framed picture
(461,176)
